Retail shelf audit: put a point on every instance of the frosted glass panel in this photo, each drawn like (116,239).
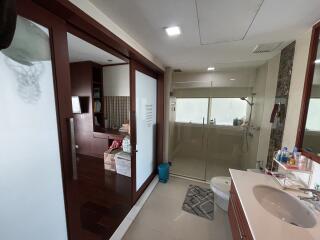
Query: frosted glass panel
(225,110)
(146,100)
(192,110)
(31,202)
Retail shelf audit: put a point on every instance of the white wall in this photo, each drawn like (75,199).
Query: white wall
(116,80)
(188,84)
(295,97)
(213,92)
(250,157)
(296,89)
(104,20)
(244,78)
(272,70)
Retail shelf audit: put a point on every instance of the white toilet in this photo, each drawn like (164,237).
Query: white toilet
(221,188)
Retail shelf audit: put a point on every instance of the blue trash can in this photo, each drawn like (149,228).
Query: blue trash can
(163,170)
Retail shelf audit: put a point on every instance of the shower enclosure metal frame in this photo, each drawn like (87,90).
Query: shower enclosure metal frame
(207,127)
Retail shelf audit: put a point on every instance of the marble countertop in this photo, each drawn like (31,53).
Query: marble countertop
(263,225)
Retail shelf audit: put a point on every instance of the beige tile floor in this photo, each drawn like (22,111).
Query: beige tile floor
(199,169)
(162,217)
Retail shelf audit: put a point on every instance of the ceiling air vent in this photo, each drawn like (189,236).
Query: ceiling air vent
(266,48)
(177,70)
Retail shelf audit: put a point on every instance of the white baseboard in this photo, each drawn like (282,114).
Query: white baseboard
(125,224)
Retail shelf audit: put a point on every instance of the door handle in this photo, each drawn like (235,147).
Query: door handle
(73,149)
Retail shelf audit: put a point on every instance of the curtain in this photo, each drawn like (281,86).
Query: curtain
(117,110)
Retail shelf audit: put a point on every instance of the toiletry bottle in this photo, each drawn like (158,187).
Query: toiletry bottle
(284,155)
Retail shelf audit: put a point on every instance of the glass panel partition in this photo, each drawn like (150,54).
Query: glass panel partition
(207,137)
(31,202)
(225,110)
(146,117)
(192,110)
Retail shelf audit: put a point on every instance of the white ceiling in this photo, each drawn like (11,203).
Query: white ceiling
(80,50)
(220,23)
(222,33)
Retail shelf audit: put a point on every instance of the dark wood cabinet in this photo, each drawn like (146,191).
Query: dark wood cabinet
(85,77)
(91,139)
(97,97)
(238,222)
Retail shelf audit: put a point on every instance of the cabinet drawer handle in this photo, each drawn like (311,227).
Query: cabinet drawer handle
(242,236)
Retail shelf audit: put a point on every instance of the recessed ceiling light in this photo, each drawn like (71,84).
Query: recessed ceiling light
(317,61)
(173,31)
(232,79)
(211,68)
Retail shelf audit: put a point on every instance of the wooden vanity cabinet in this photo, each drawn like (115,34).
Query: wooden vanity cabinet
(239,225)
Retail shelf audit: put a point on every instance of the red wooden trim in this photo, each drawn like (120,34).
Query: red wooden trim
(311,155)
(96,42)
(115,64)
(160,119)
(160,123)
(237,218)
(144,186)
(141,68)
(133,134)
(307,92)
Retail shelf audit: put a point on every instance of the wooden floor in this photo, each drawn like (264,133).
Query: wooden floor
(105,198)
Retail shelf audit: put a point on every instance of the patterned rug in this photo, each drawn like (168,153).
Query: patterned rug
(199,201)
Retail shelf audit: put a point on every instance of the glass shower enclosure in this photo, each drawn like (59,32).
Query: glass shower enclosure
(206,136)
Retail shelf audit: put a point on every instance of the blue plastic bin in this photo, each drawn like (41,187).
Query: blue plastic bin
(163,170)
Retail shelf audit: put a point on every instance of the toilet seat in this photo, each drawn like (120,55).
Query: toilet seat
(221,188)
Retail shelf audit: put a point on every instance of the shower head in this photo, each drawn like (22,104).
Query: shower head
(250,103)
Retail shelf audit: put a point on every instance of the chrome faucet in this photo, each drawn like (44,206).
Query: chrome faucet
(314,200)
(315,195)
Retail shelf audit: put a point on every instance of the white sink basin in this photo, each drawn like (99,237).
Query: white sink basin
(283,206)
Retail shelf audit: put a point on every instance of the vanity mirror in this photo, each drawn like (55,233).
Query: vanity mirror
(308,137)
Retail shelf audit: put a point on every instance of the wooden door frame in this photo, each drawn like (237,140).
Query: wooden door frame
(313,47)
(62,85)
(65,16)
(159,76)
(135,66)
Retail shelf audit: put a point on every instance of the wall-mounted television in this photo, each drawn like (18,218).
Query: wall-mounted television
(80,104)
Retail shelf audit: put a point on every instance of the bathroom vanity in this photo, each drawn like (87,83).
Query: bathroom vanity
(239,225)
(260,210)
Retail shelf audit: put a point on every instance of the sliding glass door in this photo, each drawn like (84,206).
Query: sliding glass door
(146,118)
(189,142)
(32,201)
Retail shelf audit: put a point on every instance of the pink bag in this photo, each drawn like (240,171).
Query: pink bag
(115,144)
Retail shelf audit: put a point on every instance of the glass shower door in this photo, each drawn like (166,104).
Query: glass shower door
(31,202)
(188,142)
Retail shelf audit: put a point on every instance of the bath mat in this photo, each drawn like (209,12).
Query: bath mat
(199,201)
